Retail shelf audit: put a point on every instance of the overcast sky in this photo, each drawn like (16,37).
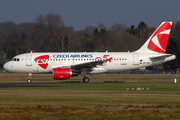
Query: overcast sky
(80,13)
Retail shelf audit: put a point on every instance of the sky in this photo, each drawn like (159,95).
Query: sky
(81,13)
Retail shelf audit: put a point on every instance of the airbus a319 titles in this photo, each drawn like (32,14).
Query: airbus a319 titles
(63,65)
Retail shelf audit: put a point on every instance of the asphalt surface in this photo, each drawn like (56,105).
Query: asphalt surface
(13,85)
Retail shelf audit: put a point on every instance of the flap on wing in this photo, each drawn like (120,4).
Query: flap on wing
(163,56)
(88,64)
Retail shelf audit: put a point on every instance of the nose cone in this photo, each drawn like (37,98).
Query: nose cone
(5,66)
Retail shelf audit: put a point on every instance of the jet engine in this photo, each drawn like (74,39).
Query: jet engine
(63,73)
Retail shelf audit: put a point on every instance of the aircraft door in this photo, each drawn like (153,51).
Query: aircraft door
(28,60)
(135,59)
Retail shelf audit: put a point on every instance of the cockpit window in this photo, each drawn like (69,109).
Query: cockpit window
(15,59)
(12,59)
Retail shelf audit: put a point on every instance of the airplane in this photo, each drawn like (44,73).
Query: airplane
(63,65)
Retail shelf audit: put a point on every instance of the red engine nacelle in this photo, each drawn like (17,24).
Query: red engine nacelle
(63,73)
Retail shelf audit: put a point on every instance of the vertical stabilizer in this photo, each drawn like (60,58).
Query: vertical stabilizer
(157,42)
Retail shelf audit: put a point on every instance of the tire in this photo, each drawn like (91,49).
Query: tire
(29,81)
(85,79)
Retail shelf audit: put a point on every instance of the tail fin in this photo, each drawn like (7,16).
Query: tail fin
(157,42)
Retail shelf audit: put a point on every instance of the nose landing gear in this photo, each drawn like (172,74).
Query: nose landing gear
(29,78)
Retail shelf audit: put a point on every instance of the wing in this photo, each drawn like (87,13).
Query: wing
(80,67)
(88,64)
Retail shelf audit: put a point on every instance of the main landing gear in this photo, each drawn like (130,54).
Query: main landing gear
(29,78)
(84,73)
(85,79)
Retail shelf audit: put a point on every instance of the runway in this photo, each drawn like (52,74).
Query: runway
(63,84)
(12,85)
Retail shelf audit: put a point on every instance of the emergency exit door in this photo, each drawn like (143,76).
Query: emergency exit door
(28,60)
(135,59)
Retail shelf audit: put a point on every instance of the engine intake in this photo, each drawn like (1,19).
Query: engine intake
(63,73)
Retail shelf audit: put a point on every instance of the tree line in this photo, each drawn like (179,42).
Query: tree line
(48,33)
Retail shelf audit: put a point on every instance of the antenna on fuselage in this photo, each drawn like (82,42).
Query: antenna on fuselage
(31,51)
(106,51)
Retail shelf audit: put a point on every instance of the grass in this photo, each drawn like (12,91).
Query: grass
(105,97)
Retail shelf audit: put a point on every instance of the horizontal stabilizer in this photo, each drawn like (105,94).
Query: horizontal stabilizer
(163,56)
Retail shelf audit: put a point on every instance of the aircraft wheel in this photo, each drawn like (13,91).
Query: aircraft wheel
(29,81)
(85,79)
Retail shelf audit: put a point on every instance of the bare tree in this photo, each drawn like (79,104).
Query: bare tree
(53,22)
(142,29)
(102,26)
(89,30)
(60,38)
(118,27)
(71,34)
(50,29)
(40,23)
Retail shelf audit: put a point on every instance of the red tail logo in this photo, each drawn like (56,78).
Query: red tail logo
(158,41)
(42,61)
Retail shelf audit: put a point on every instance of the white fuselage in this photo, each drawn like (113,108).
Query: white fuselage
(116,61)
